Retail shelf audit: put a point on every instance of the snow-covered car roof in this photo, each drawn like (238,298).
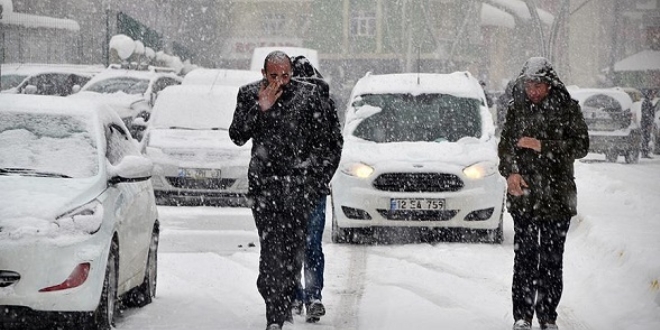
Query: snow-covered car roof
(195,107)
(204,76)
(35,68)
(139,74)
(460,84)
(581,94)
(52,104)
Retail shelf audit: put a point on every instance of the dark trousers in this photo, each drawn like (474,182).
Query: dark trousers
(314,259)
(538,263)
(281,211)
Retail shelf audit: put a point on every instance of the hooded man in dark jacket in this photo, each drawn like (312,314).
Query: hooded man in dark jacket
(543,134)
(309,294)
(291,137)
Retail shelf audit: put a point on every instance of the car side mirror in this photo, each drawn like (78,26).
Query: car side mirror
(30,89)
(130,169)
(75,89)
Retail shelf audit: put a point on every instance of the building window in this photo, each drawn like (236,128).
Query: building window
(273,24)
(363,23)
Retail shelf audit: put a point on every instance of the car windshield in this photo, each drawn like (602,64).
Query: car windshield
(425,117)
(8,81)
(34,144)
(128,85)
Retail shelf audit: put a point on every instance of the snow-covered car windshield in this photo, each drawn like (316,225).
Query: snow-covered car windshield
(128,85)
(46,145)
(425,117)
(8,81)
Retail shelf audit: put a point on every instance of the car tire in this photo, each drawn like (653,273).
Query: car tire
(632,156)
(611,156)
(339,235)
(143,294)
(656,141)
(103,317)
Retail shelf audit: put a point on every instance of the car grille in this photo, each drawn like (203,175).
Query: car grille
(204,183)
(418,182)
(418,215)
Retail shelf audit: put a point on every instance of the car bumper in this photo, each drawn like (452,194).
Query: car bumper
(601,142)
(478,205)
(49,262)
(172,188)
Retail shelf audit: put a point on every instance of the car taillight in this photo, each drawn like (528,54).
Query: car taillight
(77,277)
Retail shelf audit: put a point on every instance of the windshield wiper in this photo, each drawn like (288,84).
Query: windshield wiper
(31,172)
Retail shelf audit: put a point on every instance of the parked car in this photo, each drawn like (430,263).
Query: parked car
(419,151)
(613,126)
(46,79)
(131,93)
(196,163)
(79,225)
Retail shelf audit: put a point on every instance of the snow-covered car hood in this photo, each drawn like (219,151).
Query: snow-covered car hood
(29,206)
(120,102)
(464,152)
(197,146)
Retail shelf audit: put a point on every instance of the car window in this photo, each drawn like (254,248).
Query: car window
(8,81)
(128,85)
(120,144)
(425,117)
(47,145)
(604,113)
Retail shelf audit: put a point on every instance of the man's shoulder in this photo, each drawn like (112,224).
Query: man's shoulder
(252,87)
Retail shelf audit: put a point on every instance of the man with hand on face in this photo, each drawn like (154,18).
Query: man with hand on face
(287,123)
(543,134)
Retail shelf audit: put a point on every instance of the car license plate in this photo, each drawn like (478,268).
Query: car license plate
(417,204)
(199,173)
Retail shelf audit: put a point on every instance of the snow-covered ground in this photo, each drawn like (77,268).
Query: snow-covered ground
(208,269)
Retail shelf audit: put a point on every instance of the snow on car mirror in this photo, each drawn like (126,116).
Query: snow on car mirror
(366,110)
(75,89)
(131,168)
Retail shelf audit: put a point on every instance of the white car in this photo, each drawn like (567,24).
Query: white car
(79,224)
(211,77)
(188,140)
(419,151)
(131,93)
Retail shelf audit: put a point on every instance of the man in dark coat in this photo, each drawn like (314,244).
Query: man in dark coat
(309,295)
(291,137)
(543,134)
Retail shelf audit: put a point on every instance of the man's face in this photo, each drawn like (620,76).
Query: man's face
(536,91)
(277,72)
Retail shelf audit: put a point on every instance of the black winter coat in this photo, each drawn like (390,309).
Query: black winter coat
(295,139)
(558,122)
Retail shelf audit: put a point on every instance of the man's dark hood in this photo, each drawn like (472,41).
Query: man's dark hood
(303,70)
(539,69)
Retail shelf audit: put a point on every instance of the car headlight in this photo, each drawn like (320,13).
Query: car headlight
(359,170)
(480,170)
(86,218)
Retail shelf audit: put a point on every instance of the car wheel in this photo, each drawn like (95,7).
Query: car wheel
(339,235)
(632,156)
(103,317)
(144,294)
(656,142)
(496,236)
(611,156)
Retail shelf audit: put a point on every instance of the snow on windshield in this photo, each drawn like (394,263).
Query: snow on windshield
(127,85)
(47,144)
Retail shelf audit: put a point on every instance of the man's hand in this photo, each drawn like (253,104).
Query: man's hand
(529,143)
(515,184)
(268,95)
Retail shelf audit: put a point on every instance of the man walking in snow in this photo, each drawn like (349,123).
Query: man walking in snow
(309,295)
(288,125)
(543,134)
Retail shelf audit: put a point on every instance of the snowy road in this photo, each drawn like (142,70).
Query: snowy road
(208,269)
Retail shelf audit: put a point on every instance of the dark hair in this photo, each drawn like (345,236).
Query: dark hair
(276,56)
(302,67)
